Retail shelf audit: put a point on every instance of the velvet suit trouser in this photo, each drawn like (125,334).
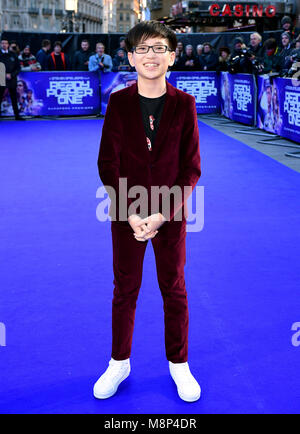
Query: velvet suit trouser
(170,256)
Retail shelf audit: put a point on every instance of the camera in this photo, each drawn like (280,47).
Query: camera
(294,71)
(243,63)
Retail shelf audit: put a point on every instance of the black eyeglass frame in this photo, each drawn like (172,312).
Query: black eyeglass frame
(152,46)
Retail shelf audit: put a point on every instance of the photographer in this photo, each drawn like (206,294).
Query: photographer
(242,61)
(293,64)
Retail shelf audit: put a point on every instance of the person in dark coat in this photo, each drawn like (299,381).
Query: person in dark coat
(286,52)
(82,57)
(224,54)
(256,46)
(239,62)
(43,54)
(58,61)
(208,60)
(272,59)
(121,45)
(188,61)
(12,69)
(121,62)
(287,26)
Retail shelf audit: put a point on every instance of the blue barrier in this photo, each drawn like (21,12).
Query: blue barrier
(269,104)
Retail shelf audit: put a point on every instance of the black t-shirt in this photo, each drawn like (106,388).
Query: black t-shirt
(152,109)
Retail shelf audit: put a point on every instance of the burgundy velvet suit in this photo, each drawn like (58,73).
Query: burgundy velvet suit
(174,160)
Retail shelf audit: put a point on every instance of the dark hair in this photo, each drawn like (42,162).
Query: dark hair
(85,40)
(57,43)
(226,49)
(4,39)
(270,44)
(147,29)
(46,42)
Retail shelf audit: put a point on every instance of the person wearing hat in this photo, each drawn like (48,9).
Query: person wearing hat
(238,45)
(285,53)
(239,62)
(288,52)
(209,59)
(287,26)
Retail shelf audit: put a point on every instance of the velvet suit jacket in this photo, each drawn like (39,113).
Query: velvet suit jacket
(174,160)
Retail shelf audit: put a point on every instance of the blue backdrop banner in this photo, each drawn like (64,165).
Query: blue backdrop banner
(56,94)
(278,106)
(238,97)
(273,104)
(202,85)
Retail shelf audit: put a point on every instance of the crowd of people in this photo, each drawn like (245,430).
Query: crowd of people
(258,57)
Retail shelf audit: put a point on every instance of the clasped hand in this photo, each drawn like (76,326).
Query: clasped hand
(145,229)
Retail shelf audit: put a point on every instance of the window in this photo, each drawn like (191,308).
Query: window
(15,20)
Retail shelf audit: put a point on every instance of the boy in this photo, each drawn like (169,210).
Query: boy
(133,147)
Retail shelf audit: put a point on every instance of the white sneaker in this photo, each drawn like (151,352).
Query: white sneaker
(187,387)
(108,383)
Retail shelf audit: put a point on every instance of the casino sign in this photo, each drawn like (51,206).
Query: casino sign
(217,15)
(242,10)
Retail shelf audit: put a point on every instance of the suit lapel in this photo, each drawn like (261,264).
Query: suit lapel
(136,121)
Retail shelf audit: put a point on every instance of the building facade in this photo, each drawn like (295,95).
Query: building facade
(52,15)
(90,16)
(109,16)
(128,14)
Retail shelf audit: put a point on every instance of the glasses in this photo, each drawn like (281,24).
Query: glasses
(143,49)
